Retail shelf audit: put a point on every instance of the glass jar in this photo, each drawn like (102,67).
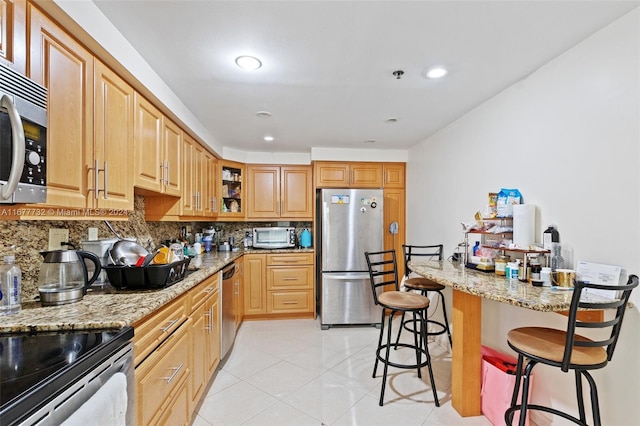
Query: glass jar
(501,264)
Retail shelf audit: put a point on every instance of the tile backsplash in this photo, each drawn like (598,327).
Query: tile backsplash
(31,237)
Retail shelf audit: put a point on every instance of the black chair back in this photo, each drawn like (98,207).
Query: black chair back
(620,298)
(383,270)
(433,252)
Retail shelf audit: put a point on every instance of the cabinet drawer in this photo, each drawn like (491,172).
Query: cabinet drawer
(200,293)
(286,259)
(159,375)
(289,301)
(152,330)
(284,277)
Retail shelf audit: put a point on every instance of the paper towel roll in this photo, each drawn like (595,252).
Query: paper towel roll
(524,225)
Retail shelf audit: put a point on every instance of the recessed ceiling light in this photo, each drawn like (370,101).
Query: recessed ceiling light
(263,114)
(436,72)
(369,141)
(268,138)
(248,62)
(391,120)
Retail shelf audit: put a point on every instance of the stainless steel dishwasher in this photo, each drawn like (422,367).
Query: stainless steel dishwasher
(228,311)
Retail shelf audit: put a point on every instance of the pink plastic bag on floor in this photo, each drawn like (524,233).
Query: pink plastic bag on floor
(498,380)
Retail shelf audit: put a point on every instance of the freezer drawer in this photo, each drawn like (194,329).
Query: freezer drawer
(346,299)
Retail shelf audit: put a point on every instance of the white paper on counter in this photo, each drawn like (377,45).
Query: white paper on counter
(598,273)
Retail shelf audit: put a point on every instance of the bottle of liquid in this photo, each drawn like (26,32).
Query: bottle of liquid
(557,261)
(549,237)
(10,286)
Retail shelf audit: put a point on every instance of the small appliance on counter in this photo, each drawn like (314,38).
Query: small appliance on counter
(63,276)
(101,249)
(305,238)
(274,237)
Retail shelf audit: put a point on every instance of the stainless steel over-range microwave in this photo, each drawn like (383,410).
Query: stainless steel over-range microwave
(23,136)
(274,237)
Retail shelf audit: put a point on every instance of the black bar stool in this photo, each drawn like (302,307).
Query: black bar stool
(425,285)
(569,351)
(383,271)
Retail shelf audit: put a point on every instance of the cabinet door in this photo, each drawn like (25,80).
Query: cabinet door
(255,286)
(394,211)
(297,192)
(393,175)
(210,185)
(172,158)
(113,141)
(231,190)
(198,338)
(12,34)
(148,152)
(331,174)
(189,177)
(263,192)
(62,65)
(213,316)
(366,175)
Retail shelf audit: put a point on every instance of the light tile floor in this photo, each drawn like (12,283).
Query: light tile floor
(290,372)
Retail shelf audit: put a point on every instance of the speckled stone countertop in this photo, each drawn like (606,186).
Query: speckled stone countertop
(110,308)
(495,287)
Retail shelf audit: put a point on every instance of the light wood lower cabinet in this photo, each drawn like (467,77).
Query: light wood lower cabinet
(205,335)
(162,377)
(279,284)
(176,352)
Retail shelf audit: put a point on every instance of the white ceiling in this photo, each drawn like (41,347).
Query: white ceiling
(327,65)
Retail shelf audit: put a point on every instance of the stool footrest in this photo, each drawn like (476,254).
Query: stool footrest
(424,355)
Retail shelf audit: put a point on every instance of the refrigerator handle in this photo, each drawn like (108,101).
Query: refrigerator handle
(350,276)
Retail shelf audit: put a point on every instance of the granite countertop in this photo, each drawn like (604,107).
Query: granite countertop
(496,287)
(109,308)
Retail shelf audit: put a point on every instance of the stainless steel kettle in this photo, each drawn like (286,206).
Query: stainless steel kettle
(64,277)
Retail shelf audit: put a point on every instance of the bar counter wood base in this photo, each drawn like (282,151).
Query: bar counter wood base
(466,380)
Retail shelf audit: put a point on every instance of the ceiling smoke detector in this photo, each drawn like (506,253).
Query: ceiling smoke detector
(398,74)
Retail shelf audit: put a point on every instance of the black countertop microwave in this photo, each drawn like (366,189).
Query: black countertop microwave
(23,139)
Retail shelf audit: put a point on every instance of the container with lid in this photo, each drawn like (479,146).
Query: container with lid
(501,264)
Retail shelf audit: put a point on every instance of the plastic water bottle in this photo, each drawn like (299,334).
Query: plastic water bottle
(10,286)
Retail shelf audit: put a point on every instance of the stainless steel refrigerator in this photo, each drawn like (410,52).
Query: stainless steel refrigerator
(349,223)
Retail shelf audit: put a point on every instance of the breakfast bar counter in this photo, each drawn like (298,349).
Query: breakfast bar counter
(469,288)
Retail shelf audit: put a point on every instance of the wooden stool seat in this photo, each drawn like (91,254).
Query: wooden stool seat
(550,343)
(422,284)
(403,301)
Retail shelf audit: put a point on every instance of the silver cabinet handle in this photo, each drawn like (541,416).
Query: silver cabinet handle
(106,191)
(96,190)
(289,279)
(176,370)
(207,316)
(289,303)
(171,324)
(168,172)
(162,173)
(17,157)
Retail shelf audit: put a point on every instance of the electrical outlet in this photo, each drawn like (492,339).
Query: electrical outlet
(56,237)
(92,234)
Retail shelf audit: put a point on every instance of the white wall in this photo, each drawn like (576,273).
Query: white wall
(568,138)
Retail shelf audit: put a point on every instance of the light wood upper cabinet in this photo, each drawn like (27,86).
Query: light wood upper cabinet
(275,192)
(112,159)
(62,65)
(148,152)
(172,135)
(331,174)
(335,174)
(90,121)
(199,180)
(366,175)
(157,150)
(211,175)
(231,190)
(393,175)
(13,34)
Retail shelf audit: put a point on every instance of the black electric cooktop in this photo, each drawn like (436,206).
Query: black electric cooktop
(32,366)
